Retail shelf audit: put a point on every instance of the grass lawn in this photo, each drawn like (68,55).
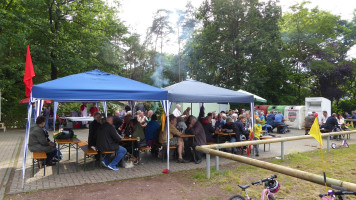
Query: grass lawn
(340,164)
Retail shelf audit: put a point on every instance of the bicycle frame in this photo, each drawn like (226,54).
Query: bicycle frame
(263,195)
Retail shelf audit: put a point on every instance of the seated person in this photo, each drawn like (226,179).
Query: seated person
(220,122)
(309,120)
(108,140)
(181,125)
(125,129)
(137,132)
(331,123)
(270,118)
(173,141)
(38,142)
(94,126)
(152,130)
(208,129)
(117,120)
(278,121)
(237,128)
(195,128)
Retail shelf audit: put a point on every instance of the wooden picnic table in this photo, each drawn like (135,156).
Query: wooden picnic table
(187,136)
(67,143)
(130,139)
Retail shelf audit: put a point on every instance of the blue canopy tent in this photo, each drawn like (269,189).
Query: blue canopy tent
(91,86)
(191,91)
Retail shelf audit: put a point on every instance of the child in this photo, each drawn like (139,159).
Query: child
(258,129)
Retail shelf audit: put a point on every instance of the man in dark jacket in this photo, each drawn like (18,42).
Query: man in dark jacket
(208,129)
(331,123)
(195,128)
(238,128)
(117,120)
(270,118)
(93,130)
(38,142)
(108,140)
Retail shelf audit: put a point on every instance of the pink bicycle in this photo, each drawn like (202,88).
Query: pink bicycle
(271,186)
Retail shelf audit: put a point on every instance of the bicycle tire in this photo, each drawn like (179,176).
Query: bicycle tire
(271,197)
(237,197)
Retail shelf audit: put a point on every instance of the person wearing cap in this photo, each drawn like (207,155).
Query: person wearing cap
(309,120)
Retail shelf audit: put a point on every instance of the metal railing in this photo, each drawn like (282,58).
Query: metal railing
(215,150)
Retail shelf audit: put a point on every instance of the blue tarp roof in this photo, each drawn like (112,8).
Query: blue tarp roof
(191,91)
(99,86)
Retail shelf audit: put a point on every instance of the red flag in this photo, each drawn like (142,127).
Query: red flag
(29,73)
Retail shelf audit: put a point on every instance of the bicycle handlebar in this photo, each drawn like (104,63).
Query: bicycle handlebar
(264,180)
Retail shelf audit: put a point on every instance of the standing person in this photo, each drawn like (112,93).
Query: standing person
(257,135)
(323,118)
(84,113)
(38,142)
(177,140)
(176,111)
(93,110)
(46,115)
(94,127)
(309,120)
(108,140)
(195,128)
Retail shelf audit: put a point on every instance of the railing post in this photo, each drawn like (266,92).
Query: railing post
(208,166)
(217,161)
(282,150)
(328,143)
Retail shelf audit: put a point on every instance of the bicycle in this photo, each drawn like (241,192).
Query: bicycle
(344,144)
(336,195)
(271,186)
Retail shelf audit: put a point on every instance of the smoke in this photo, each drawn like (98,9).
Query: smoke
(157,76)
(155,107)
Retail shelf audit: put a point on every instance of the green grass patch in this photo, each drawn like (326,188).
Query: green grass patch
(340,164)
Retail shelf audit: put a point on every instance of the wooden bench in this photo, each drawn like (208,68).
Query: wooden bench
(145,149)
(164,150)
(36,157)
(88,151)
(2,126)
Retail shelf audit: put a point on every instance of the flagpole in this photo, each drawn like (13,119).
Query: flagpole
(324,171)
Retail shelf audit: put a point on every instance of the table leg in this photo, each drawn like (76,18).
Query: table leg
(77,157)
(58,159)
(69,152)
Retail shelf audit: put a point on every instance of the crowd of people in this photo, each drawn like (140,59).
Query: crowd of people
(143,124)
(335,122)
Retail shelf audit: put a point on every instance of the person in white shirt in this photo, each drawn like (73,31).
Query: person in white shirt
(176,111)
(323,118)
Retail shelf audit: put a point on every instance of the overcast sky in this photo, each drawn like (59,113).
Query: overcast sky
(138,14)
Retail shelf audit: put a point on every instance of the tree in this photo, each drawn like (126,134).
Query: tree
(238,47)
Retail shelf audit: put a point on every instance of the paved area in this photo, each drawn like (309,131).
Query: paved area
(11,152)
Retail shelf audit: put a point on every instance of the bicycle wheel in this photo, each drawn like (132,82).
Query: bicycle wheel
(237,197)
(333,145)
(271,197)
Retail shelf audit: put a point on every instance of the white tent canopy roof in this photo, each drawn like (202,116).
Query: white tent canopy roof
(257,98)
